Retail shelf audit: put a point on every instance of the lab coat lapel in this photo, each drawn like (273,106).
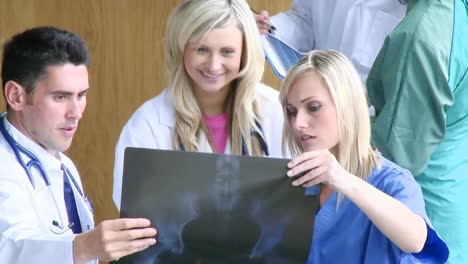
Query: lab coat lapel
(204,145)
(84,210)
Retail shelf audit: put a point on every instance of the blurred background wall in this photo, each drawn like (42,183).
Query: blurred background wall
(125,38)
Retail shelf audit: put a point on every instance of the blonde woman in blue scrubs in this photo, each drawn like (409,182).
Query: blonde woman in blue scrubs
(371,210)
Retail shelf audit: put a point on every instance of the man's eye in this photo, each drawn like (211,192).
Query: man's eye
(82,95)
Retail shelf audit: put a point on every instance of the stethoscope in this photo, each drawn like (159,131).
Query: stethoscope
(259,134)
(34,162)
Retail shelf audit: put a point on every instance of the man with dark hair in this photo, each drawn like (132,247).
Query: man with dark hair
(45,217)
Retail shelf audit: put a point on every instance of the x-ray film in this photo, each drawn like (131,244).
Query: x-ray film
(212,208)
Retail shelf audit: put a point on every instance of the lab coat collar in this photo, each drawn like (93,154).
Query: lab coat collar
(45,158)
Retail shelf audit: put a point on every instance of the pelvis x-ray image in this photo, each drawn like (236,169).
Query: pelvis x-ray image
(212,208)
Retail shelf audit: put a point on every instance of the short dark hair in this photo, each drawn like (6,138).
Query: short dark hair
(27,55)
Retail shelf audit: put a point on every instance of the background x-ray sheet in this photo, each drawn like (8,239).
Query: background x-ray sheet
(212,208)
(280,55)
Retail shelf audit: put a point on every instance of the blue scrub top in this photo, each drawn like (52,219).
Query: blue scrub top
(346,235)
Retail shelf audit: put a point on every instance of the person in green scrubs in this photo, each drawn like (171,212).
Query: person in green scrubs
(419,88)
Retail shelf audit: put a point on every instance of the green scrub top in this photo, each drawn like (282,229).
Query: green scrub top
(419,88)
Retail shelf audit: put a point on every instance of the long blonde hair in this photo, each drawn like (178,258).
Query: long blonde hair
(193,20)
(355,153)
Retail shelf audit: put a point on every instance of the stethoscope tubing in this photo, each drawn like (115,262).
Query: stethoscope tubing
(16,147)
(34,161)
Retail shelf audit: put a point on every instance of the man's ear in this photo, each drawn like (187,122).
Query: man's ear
(15,95)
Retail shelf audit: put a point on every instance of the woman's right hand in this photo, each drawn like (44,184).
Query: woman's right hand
(318,166)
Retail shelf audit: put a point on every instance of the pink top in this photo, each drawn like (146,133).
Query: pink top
(217,125)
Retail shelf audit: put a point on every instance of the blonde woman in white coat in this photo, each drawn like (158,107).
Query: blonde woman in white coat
(214,102)
(356,28)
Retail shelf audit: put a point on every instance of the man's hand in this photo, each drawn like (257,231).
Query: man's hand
(113,239)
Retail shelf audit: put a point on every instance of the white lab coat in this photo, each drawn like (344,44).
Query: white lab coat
(356,28)
(26,213)
(152,125)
